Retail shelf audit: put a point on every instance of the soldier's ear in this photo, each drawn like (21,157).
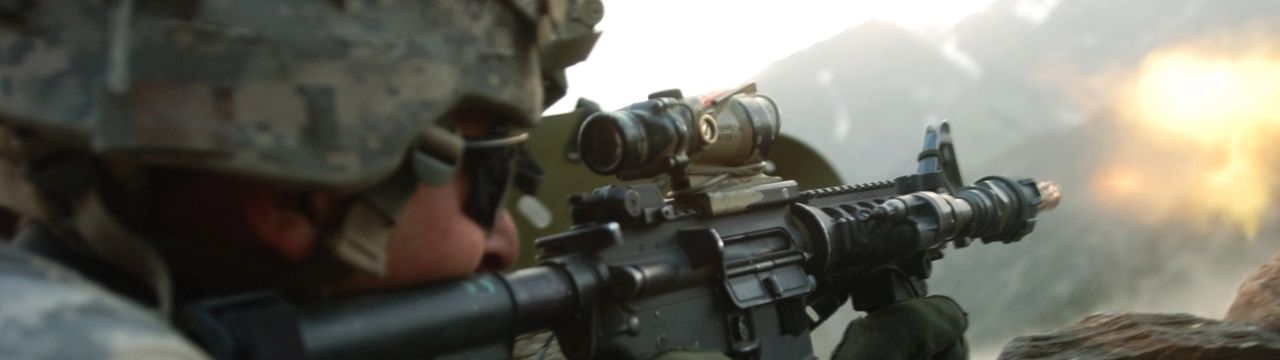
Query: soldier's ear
(276,220)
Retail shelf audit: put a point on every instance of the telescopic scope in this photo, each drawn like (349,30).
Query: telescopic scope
(669,132)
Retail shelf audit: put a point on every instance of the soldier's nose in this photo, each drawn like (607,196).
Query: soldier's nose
(502,245)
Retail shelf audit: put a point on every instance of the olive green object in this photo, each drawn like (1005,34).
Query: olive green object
(922,328)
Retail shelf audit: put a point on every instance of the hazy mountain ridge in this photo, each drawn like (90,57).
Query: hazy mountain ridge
(863,96)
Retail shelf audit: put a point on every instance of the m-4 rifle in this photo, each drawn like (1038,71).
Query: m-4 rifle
(702,249)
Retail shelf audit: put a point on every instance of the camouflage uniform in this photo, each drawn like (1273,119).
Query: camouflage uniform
(48,311)
(343,96)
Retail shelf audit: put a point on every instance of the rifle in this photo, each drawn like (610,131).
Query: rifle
(701,250)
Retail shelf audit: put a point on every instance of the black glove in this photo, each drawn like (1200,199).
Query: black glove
(924,328)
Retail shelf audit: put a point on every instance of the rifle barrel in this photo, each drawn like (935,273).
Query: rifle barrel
(421,323)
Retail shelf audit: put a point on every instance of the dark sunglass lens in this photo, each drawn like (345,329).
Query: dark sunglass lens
(489,171)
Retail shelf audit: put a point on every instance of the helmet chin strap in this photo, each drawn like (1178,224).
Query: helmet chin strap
(358,243)
(111,241)
(361,239)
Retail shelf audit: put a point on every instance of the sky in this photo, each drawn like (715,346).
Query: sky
(706,45)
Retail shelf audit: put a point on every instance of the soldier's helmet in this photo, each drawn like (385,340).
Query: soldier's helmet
(325,93)
(341,95)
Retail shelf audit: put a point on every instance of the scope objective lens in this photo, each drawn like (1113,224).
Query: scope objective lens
(602,143)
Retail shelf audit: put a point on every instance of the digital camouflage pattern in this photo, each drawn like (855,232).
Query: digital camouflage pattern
(327,93)
(49,312)
(305,93)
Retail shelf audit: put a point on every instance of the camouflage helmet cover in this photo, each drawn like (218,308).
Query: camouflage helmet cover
(321,93)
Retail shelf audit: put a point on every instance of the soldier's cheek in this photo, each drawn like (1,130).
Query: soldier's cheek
(433,240)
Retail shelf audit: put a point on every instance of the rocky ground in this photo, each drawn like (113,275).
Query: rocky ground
(1250,330)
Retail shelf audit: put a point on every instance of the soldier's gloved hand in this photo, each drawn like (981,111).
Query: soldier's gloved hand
(925,328)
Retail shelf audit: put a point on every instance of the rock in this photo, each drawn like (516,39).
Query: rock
(1258,299)
(1148,336)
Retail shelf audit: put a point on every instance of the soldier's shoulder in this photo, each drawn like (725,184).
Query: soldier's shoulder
(48,311)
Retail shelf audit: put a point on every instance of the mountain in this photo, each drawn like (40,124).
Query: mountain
(1031,95)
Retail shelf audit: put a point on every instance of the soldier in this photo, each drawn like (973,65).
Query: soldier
(162,151)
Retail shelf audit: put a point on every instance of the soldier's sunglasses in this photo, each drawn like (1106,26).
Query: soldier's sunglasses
(489,164)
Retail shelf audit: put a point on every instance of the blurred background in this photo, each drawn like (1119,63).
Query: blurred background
(1159,118)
